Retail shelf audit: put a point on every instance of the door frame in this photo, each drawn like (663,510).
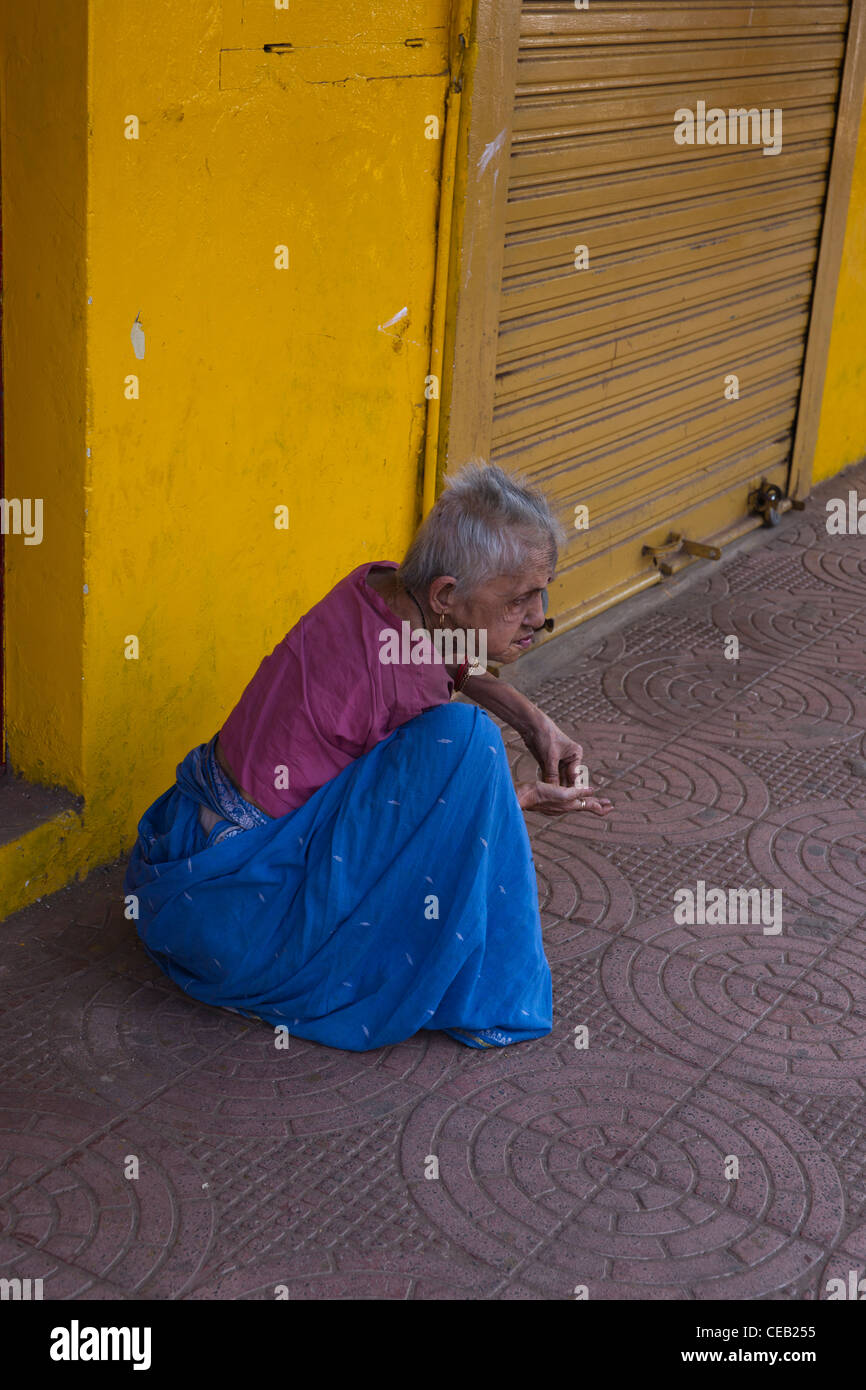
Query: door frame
(478,235)
(836,206)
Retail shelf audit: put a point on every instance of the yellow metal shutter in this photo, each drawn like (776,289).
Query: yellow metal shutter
(611,380)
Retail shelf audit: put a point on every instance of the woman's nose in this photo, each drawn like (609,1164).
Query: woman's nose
(535,614)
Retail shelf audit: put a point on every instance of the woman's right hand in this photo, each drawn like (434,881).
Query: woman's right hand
(550,799)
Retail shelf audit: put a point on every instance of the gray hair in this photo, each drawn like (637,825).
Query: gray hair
(485,523)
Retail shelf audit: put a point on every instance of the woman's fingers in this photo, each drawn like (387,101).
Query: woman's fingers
(599,805)
(553,800)
(549,794)
(570,767)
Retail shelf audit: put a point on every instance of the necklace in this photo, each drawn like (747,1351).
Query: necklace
(420,609)
(463,671)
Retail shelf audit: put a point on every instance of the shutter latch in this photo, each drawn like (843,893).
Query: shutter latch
(768,499)
(765,499)
(663,555)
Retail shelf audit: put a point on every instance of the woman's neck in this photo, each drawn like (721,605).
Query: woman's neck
(389,588)
(398,599)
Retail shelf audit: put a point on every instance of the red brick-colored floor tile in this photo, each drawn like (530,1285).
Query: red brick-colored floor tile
(706,1137)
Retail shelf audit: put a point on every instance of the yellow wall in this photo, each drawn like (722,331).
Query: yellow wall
(258,386)
(842,432)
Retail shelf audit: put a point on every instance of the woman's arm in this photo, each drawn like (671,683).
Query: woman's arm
(557,755)
(512,706)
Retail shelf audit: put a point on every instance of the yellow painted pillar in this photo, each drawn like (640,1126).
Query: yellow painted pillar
(231,214)
(842,431)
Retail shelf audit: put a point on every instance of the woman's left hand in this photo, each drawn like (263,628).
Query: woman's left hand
(557,755)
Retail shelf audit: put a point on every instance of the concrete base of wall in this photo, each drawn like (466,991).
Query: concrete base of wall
(42,842)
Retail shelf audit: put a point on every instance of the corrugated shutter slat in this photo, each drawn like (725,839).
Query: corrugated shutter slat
(610,380)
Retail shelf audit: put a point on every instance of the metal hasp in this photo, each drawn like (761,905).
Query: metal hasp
(768,501)
(663,555)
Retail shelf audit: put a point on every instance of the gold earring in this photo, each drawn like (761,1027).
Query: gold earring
(441,619)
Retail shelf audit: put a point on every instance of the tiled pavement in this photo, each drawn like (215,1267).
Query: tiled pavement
(558,1166)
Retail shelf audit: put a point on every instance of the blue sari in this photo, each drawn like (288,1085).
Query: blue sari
(401,896)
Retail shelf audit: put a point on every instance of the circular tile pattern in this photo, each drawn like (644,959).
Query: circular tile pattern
(612,1177)
(664,791)
(71,1193)
(848,1265)
(707,694)
(583,898)
(394,1279)
(824,629)
(769,566)
(812,534)
(209,1071)
(845,570)
(816,853)
(608,648)
(771,1011)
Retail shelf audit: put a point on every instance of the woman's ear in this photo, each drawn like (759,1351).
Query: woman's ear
(441,594)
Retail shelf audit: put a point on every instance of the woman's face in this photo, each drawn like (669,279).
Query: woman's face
(509,608)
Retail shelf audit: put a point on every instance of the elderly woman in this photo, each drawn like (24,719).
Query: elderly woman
(347,857)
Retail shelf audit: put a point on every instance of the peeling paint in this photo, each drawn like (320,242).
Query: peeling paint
(399,315)
(398,337)
(137,336)
(491,149)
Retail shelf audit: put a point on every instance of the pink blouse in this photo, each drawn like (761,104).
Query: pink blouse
(323,697)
